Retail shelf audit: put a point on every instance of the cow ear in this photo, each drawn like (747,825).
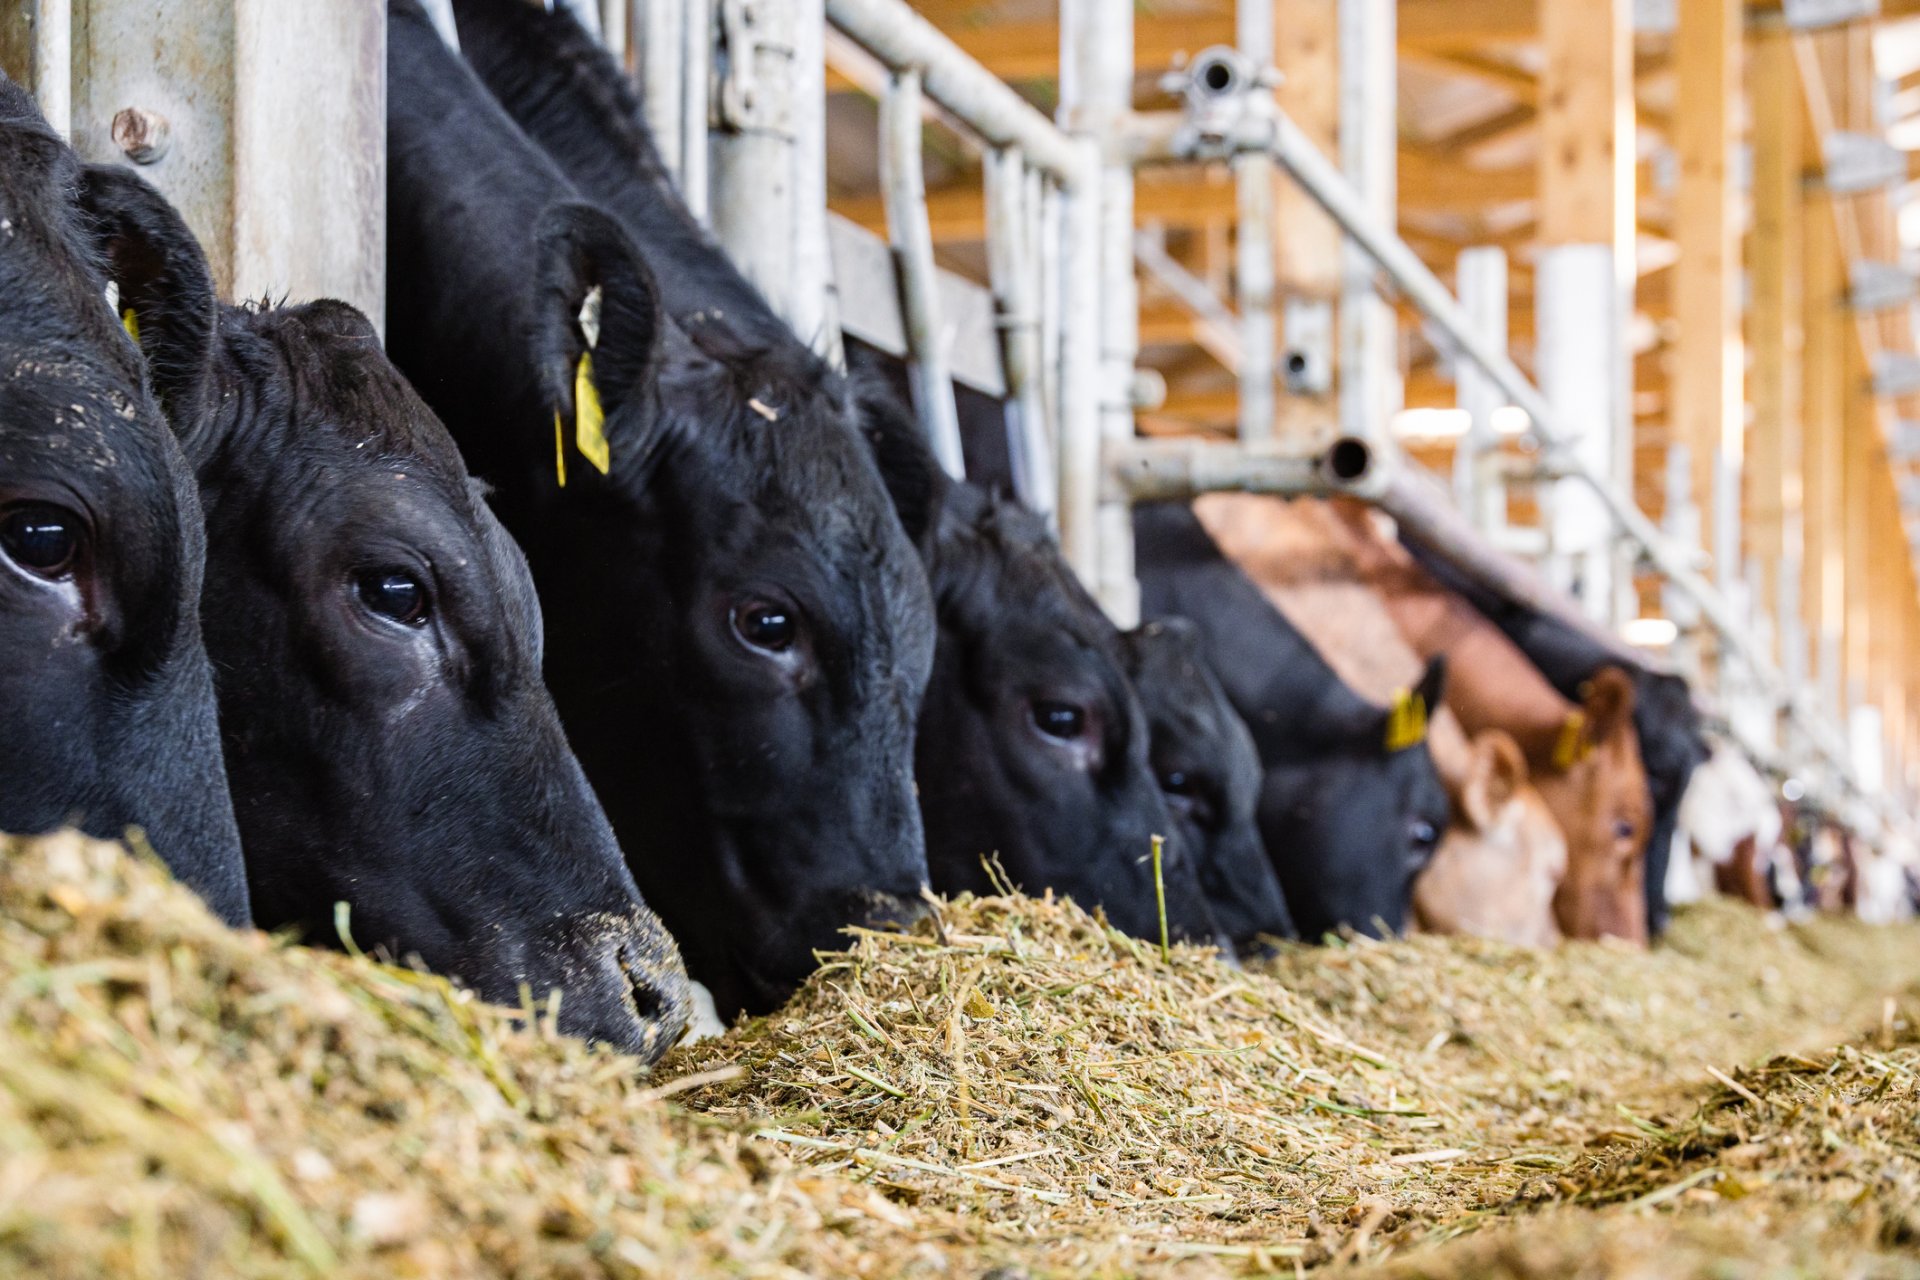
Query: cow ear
(1497,773)
(914,480)
(598,327)
(166,297)
(1606,700)
(1180,634)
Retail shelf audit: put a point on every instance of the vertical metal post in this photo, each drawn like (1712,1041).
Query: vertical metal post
(903,184)
(53,63)
(1254,275)
(816,303)
(1013,271)
(753,202)
(662,36)
(1580,333)
(1096,93)
(1369,143)
(277,116)
(1478,486)
(614,30)
(1076,324)
(696,90)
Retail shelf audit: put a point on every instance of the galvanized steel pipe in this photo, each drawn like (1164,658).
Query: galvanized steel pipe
(903,183)
(901,38)
(53,63)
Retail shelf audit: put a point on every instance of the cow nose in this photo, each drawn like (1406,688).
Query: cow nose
(639,1000)
(891,911)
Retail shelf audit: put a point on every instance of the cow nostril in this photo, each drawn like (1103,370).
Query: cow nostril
(889,911)
(649,1004)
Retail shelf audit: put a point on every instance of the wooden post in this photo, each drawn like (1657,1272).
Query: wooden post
(1707,409)
(1307,243)
(1585,273)
(1776,256)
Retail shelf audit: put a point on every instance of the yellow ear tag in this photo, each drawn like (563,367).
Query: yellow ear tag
(559,449)
(132,322)
(589,420)
(1571,747)
(1406,720)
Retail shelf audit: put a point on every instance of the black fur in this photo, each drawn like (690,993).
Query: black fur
(417,773)
(1347,823)
(1018,631)
(1208,768)
(766,801)
(107,713)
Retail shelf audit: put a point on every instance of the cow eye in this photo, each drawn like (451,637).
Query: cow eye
(1176,783)
(771,628)
(394,594)
(1622,830)
(1422,834)
(43,540)
(1060,720)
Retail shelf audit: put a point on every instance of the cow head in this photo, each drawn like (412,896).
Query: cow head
(1355,813)
(1502,858)
(742,625)
(105,691)
(1032,748)
(1597,789)
(378,649)
(1209,772)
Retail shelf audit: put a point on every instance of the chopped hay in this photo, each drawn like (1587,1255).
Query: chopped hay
(1013,1086)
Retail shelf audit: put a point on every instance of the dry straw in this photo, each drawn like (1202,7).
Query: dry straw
(1014,1086)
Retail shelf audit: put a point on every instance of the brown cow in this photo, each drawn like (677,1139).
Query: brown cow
(1502,856)
(1500,864)
(1584,760)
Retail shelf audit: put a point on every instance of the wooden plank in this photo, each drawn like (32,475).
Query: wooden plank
(1777,257)
(1467,24)
(1707,348)
(1585,173)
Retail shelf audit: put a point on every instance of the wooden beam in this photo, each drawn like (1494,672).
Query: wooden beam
(1858,446)
(1707,356)
(1466,24)
(1188,196)
(1586,131)
(1776,255)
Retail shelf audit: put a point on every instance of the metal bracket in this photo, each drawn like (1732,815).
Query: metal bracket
(1896,374)
(1809,15)
(1903,445)
(1880,286)
(1220,88)
(756,37)
(1857,162)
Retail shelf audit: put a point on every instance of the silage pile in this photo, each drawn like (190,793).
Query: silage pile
(1012,1086)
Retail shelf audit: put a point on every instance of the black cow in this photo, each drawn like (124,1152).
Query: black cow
(377,647)
(1033,745)
(742,630)
(1664,717)
(1210,773)
(1349,815)
(107,712)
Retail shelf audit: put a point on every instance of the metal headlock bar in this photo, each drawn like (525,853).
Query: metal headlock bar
(1230,116)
